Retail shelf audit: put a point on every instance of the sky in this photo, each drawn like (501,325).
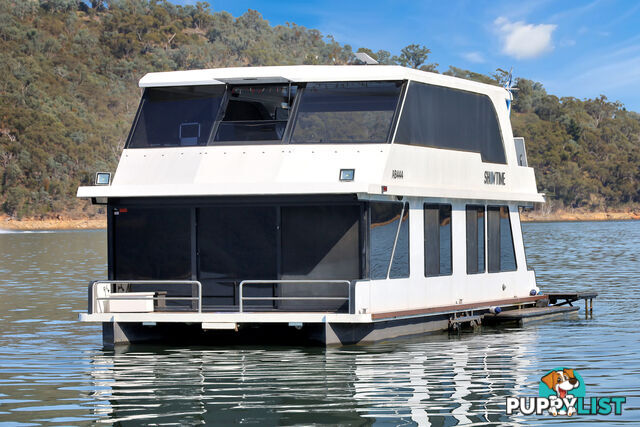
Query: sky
(574,48)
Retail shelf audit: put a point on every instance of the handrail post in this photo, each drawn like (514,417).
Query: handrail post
(93,297)
(240,296)
(199,296)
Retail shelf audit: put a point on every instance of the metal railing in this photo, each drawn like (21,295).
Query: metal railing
(242,298)
(94,299)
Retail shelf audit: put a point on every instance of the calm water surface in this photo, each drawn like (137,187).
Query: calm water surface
(54,371)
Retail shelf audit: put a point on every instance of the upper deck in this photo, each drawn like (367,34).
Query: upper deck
(291,130)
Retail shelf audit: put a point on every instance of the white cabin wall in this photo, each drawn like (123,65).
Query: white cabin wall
(527,277)
(458,241)
(459,288)
(416,239)
(518,242)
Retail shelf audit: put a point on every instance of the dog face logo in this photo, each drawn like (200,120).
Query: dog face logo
(563,384)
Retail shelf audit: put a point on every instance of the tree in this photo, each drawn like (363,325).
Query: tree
(413,56)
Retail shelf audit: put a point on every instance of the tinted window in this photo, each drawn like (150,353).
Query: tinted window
(442,117)
(346,112)
(176,116)
(152,243)
(475,239)
(385,219)
(500,240)
(437,240)
(400,263)
(256,113)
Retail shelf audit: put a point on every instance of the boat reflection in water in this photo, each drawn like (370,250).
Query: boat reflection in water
(434,381)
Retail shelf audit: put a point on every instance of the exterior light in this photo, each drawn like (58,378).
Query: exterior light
(103,178)
(347,174)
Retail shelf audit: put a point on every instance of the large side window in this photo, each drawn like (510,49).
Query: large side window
(437,240)
(442,117)
(176,116)
(346,112)
(500,240)
(256,113)
(389,236)
(475,239)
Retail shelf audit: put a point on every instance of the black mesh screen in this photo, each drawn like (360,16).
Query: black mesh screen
(236,243)
(442,117)
(152,244)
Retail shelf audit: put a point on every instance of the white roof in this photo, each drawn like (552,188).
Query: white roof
(312,73)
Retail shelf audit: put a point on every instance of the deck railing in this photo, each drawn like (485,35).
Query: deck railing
(101,292)
(97,295)
(242,298)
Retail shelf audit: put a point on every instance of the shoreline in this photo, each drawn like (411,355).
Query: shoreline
(93,223)
(33,224)
(579,216)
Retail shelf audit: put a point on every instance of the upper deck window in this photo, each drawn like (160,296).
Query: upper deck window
(176,116)
(346,112)
(442,117)
(256,113)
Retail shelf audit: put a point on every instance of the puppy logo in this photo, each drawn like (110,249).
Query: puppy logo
(566,386)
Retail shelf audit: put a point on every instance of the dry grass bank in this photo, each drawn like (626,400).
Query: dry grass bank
(58,223)
(580,215)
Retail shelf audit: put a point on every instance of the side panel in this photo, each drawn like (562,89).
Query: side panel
(319,243)
(422,292)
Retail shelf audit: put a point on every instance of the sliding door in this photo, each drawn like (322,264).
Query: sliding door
(236,243)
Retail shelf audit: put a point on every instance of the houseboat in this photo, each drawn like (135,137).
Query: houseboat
(335,204)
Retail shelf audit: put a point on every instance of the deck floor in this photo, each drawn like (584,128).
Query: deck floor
(530,315)
(535,312)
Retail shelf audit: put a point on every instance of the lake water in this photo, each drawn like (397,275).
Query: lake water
(54,371)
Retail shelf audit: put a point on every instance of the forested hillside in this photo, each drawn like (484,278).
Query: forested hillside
(68,92)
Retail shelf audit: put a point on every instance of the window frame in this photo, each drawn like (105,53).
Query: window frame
(291,122)
(424,236)
(223,110)
(138,114)
(513,245)
(405,207)
(476,208)
(389,266)
(392,124)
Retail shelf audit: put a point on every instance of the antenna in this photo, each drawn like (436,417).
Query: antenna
(509,85)
(366,59)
